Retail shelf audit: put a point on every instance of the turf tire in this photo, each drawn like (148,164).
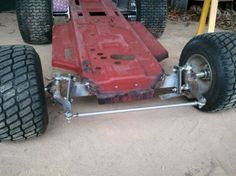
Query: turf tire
(23,110)
(220,51)
(153,14)
(35,20)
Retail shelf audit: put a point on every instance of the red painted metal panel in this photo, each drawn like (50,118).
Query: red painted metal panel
(158,51)
(115,56)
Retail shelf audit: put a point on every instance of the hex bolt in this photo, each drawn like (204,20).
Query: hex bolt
(174,89)
(68,116)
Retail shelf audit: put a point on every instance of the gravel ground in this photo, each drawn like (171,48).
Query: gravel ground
(169,142)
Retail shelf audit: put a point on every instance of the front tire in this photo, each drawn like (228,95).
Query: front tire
(219,52)
(23,110)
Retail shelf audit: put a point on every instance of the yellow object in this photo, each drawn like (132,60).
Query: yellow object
(213,15)
(205,11)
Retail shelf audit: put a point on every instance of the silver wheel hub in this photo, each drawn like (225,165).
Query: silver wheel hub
(198,78)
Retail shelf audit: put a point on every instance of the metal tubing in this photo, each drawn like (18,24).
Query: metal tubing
(69,87)
(201,75)
(203,18)
(179,74)
(137,109)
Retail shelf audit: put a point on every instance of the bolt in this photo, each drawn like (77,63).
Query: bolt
(136,85)
(186,87)
(116,87)
(68,116)
(188,68)
(174,90)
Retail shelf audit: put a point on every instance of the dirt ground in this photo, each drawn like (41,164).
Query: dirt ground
(169,142)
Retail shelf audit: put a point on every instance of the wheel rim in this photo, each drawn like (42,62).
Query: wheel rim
(202,72)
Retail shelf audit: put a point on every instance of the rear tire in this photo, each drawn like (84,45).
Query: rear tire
(219,50)
(180,5)
(153,14)
(23,110)
(35,20)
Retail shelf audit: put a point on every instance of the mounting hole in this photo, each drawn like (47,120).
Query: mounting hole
(117,62)
(98,68)
(103,57)
(117,14)
(92,49)
(97,13)
(100,54)
(77,2)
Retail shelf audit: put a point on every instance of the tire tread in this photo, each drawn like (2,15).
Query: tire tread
(19,118)
(153,14)
(35,21)
(225,45)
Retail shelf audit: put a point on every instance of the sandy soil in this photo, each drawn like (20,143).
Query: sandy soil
(170,142)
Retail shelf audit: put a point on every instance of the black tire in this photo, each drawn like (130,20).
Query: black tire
(153,14)
(220,51)
(35,20)
(23,110)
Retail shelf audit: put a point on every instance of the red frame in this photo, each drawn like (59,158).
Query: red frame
(117,57)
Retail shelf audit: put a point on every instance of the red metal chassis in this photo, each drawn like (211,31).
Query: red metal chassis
(118,58)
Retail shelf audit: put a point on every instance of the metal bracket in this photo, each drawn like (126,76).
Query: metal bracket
(74,89)
(175,81)
(185,88)
(65,13)
(66,102)
(179,71)
(182,88)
